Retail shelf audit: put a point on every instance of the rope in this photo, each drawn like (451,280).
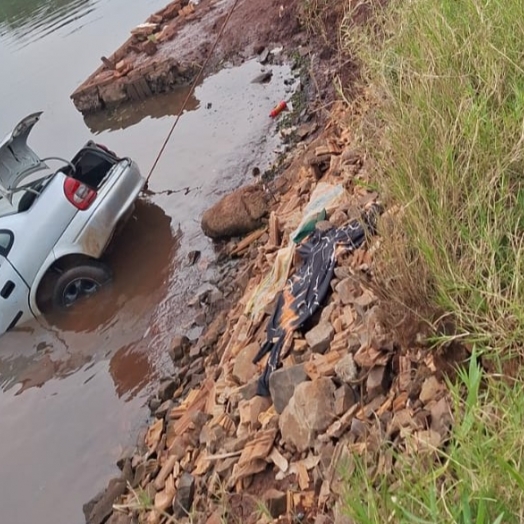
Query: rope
(191,90)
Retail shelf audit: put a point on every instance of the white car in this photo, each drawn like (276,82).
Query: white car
(55,225)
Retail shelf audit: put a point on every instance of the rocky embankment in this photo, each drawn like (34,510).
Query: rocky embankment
(215,451)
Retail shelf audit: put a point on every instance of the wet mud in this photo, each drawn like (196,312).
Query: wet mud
(74,388)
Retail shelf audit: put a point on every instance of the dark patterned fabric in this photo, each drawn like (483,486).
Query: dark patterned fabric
(306,290)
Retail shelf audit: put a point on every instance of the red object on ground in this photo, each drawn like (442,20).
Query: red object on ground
(278,109)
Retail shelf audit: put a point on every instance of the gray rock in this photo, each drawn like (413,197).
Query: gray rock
(310,411)
(345,369)
(164,408)
(166,389)
(430,389)
(320,337)
(244,369)
(179,346)
(99,510)
(347,291)
(236,214)
(184,496)
(127,454)
(282,384)
(154,403)
(248,391)
(377,382)
(344,399)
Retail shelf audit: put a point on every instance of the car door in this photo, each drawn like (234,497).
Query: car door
(14,292)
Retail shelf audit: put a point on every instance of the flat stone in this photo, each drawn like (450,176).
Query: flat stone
(282,384)
(377,382)
(250,410)
(244,369)
(430,389)
(345,369)
(248,391)
(164,408)
(184,496)
(344,398)
(320,337)
(212,437)
(347,291)
(310,411)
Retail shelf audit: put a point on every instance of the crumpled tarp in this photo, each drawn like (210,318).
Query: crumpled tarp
(324,199)
(308,287)
(274,281)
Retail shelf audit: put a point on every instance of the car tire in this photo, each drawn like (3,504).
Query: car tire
(79,282)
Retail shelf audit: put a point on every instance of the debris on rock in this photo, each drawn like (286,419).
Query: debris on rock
(335,384)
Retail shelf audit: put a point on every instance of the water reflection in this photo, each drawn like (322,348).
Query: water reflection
(106,325)
(128,115)
(30,20)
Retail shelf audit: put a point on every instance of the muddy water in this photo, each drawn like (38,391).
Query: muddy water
(73,389)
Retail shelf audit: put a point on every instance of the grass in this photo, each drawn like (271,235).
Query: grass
(448,140)
(443,96)
(477,479)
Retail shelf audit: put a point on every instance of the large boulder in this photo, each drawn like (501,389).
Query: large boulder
(236,214)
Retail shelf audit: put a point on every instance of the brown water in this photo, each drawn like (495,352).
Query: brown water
(73,390)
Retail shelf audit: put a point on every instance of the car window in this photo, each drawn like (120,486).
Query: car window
(11,207)
(6,241)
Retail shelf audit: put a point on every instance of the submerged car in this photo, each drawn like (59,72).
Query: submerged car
(56,224)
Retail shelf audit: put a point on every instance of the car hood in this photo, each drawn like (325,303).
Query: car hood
(17,159)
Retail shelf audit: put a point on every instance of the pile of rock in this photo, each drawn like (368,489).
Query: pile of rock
(216,451)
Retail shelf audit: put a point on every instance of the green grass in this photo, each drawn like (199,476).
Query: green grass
(448,138)
(443,97)
(477,479)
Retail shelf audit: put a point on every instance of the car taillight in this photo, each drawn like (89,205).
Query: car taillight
(80,195)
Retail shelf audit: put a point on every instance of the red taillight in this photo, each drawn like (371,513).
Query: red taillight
(80,195)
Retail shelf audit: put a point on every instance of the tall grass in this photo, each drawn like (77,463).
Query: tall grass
(477,479)
(450,81)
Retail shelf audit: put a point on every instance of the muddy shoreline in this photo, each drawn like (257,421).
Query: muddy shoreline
(170,48)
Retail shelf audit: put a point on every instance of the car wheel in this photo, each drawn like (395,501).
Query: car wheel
(79,282)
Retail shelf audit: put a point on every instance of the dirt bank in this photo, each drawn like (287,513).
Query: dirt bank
(216,451)
(171,47)
(242,436)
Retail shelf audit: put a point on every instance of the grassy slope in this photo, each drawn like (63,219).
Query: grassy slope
(448,140)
